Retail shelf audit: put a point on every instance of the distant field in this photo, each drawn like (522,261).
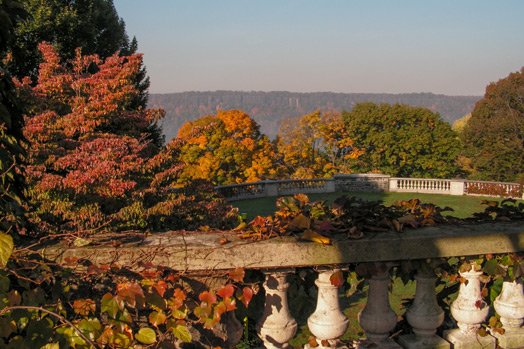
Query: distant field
(463,206)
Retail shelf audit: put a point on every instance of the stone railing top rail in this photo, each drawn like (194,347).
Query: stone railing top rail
(198,251)
(425,179)
(488,182)
(367,175)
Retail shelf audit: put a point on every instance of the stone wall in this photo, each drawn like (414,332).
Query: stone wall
(369,183)
(361,182)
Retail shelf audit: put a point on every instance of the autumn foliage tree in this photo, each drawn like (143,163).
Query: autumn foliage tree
(93,159)
(494,135)
(226,148)
(316,145)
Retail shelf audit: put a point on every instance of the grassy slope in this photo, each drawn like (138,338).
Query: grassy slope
(463,206)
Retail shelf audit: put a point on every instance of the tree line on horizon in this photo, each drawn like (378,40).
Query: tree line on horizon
(269,109)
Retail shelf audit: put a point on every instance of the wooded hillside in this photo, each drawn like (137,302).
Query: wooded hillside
(269,108)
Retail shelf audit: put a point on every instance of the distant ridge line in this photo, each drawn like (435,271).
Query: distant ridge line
(268,108)
(314,92)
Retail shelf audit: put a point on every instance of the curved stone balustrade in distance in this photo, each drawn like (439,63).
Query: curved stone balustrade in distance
(370,183)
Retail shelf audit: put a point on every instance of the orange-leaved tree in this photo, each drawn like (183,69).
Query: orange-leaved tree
(316,145)
(95,160)
(226,148)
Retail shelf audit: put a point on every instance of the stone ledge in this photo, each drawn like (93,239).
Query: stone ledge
(193,251)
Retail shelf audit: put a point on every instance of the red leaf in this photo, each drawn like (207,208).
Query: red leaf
(337,278)
(237,274)
(247,295)
(132,293)
(172,277)
(179,294)
(207,297)
(71,260)
(160,287)
(226,291)
(84,306)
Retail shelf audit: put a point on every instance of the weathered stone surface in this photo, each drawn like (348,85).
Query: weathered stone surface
(510,340)
(461,341)
(361,183)
(412,341)
(203,251)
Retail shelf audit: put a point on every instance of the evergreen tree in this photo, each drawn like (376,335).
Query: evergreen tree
(92,25)
(11,122)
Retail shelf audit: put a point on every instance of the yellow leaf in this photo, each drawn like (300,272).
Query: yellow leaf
(300,222)
(311,235)
(6,248)
(241,226)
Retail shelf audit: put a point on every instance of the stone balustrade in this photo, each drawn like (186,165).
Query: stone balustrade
(513,190)
(370,183)
(278,257)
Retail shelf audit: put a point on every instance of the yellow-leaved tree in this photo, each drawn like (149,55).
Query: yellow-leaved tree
(227,148)
(316,145)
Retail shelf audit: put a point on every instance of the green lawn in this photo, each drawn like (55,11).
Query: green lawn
(463,206)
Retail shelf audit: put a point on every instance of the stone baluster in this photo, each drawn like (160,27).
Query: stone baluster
(277,326)
(470,310)
(424,315)
(327,323)
(377,318)
(510,306)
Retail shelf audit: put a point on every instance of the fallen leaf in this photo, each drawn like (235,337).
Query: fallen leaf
(311,235)
(300,222)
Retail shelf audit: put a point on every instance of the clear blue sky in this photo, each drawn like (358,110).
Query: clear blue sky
(453,47)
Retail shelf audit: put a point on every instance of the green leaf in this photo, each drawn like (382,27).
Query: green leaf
(146,336)
(121,341)
(6,248)
(90,327)
(72,337)
(109,305)
(491,267)
(51,346)
(157,318)
(182,332)
(4,284)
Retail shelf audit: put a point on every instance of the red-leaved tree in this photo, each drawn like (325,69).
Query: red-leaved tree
(95,162)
